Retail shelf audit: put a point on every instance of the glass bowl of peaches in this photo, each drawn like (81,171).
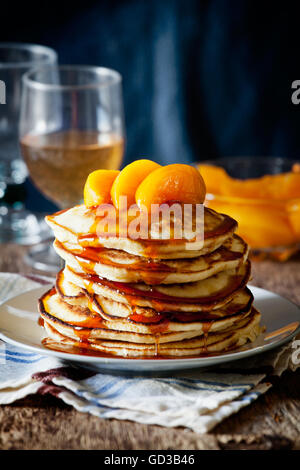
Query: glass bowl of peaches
(263,195)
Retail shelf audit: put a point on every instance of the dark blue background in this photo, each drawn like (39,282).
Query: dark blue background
(202,79)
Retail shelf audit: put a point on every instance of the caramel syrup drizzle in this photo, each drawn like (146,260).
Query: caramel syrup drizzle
(89,240)
(131,292)
(83,329)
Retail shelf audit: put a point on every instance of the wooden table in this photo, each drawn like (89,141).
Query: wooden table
(271,422)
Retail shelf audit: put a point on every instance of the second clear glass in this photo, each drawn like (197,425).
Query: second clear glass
(16,223)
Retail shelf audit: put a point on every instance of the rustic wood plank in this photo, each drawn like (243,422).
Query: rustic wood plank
(44,423)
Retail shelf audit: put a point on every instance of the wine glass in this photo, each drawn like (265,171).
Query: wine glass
(71,123)
(16,223)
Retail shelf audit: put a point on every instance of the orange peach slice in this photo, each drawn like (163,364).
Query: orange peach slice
(293,211)
(214,176)
(171,183)
(260,225)
(277,187)
(97,187)
(129,179)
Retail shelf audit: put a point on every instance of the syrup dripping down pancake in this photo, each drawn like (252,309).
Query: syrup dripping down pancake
(197,296)
(78,225)
(110,309)
(116,265)
(54,309)
(212,343)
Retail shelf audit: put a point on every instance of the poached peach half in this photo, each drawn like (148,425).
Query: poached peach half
(97,187)
(129,179)
(171,183)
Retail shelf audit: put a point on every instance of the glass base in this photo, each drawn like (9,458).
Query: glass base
(22,226)
(44,258)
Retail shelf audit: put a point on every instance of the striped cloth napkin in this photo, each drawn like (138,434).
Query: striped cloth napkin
(197,399)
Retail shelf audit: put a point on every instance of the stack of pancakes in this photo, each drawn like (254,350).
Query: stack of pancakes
(144,298)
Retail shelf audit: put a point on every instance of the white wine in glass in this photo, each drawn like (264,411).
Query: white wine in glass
(59,163)
(72,123)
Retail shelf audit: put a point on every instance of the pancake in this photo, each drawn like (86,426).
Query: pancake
(116,265)
(109,309)
(53,308)
(213,343)
(79,225)
(196,296)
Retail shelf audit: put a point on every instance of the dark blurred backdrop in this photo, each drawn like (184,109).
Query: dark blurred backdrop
(201,79)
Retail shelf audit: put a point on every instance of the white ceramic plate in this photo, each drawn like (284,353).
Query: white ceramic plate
(18,326)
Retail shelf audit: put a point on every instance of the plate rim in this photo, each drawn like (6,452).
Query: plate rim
(193,362)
